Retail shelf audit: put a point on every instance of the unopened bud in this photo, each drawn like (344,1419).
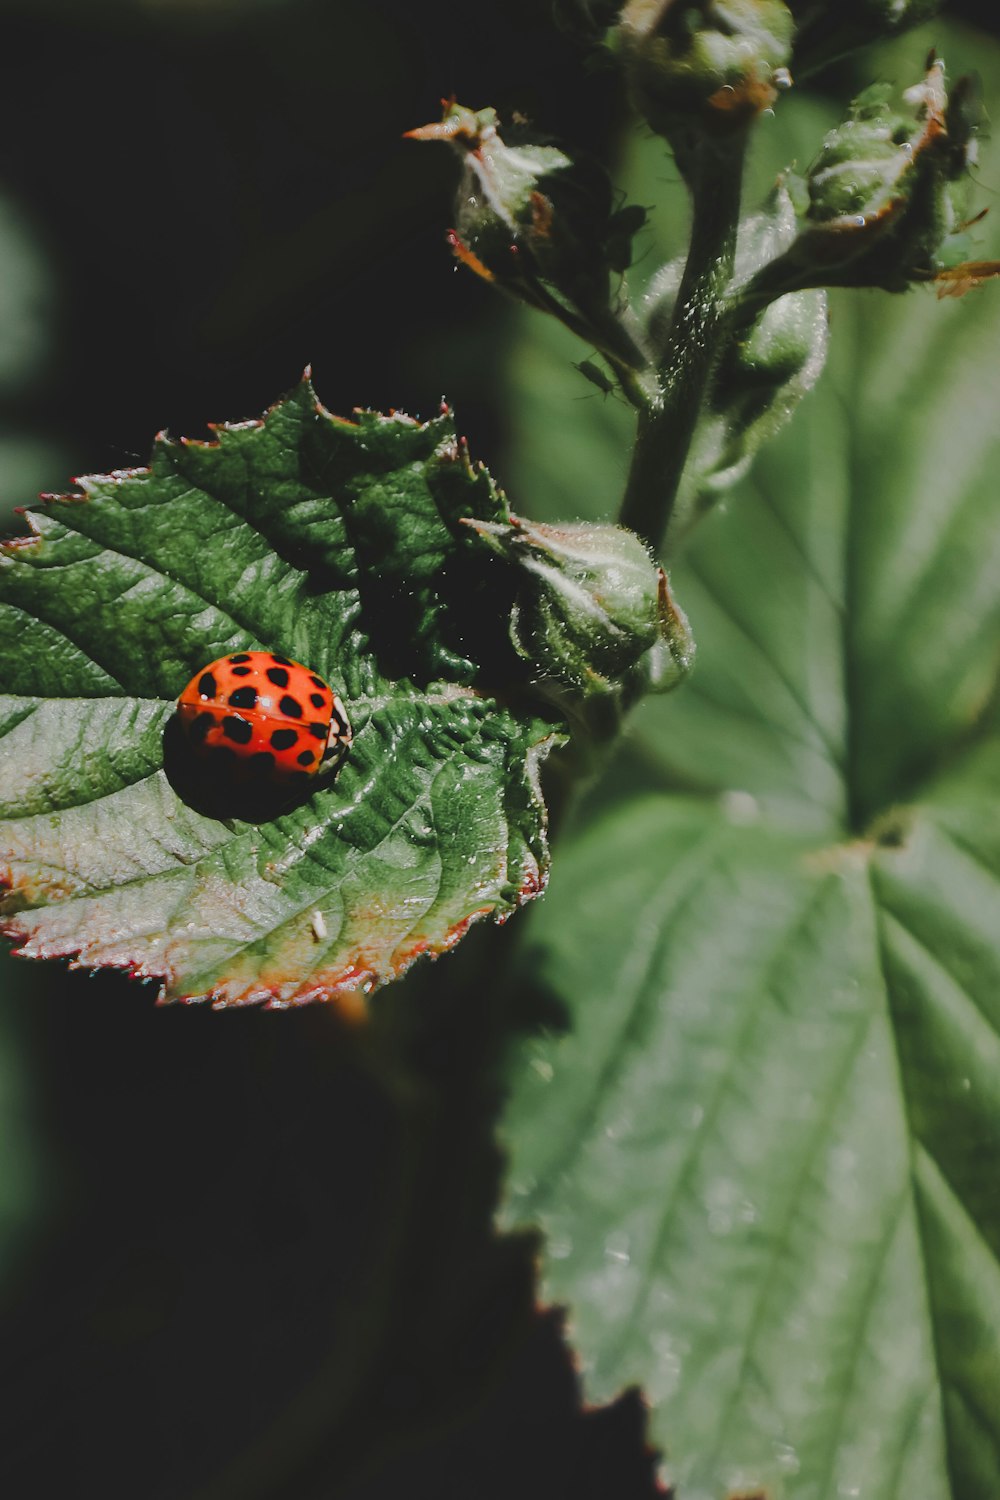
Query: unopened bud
(592,610)
(705,63)
(765,367)
(502,188)
(540,224)
(883,195)
(671,656)
(862,162)
(886,194)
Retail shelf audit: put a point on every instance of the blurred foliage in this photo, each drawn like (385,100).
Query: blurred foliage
(762,1138)
(23,1185)
(256,1260)
(303,534)
(761,1131)
(225,194)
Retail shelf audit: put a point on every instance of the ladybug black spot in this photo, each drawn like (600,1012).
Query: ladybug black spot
(290,707)
(199,728)
(237,730)
(278,676)
(306,758)
(242,671)
(244,697)
(318,682)
(281,660)
(206,685)
(317,700)
(229,780)
(284,739)
(318,731)
(240,656)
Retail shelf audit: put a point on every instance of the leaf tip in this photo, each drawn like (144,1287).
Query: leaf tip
(533,882)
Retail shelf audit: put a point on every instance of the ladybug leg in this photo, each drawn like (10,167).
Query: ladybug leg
(338,739)
(336,746)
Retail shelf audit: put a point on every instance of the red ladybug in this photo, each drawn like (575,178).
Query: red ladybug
(260,712)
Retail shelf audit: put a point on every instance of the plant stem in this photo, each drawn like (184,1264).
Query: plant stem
(665,431)
(602,330)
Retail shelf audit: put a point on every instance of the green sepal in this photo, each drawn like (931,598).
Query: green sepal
(697,63)
(887,196)
(593,614)
(766,366)
(336,543)
(541,225)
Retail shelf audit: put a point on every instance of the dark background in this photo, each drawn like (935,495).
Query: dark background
(242,1259)
(222,193)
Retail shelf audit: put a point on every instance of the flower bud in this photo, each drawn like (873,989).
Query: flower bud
(540,224)
(886,195)
(500,187)
(883,197)
(705,63)
(765,367)
(671,656)
(864,163)
(593,613)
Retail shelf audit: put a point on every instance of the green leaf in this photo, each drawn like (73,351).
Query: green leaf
(762,1142)
(764,1156)
(845,607)
(339,544)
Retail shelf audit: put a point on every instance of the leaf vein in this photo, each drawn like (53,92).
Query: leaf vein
(833,752)
(703,863)
(723,1091)
(865,1308)
(893,913)
(779,1237)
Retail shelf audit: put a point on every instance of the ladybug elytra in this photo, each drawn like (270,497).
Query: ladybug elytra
(264,714)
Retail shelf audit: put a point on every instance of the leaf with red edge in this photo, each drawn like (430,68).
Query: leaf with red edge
(336,543)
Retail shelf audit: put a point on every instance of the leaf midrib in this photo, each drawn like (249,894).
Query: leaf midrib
(913,1144)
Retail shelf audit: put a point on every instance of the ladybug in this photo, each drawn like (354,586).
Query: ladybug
(263,716)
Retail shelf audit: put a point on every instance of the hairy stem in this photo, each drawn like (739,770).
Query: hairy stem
(665,430)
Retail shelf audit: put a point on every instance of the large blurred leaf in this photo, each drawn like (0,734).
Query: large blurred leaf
(27,297)
(765,1147)
(765,1154)
(339,544)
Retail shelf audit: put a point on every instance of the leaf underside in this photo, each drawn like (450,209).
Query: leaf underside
(764,1142)
(336,543)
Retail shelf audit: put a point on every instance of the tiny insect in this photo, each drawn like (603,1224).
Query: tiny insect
(263,716)
(596,376)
